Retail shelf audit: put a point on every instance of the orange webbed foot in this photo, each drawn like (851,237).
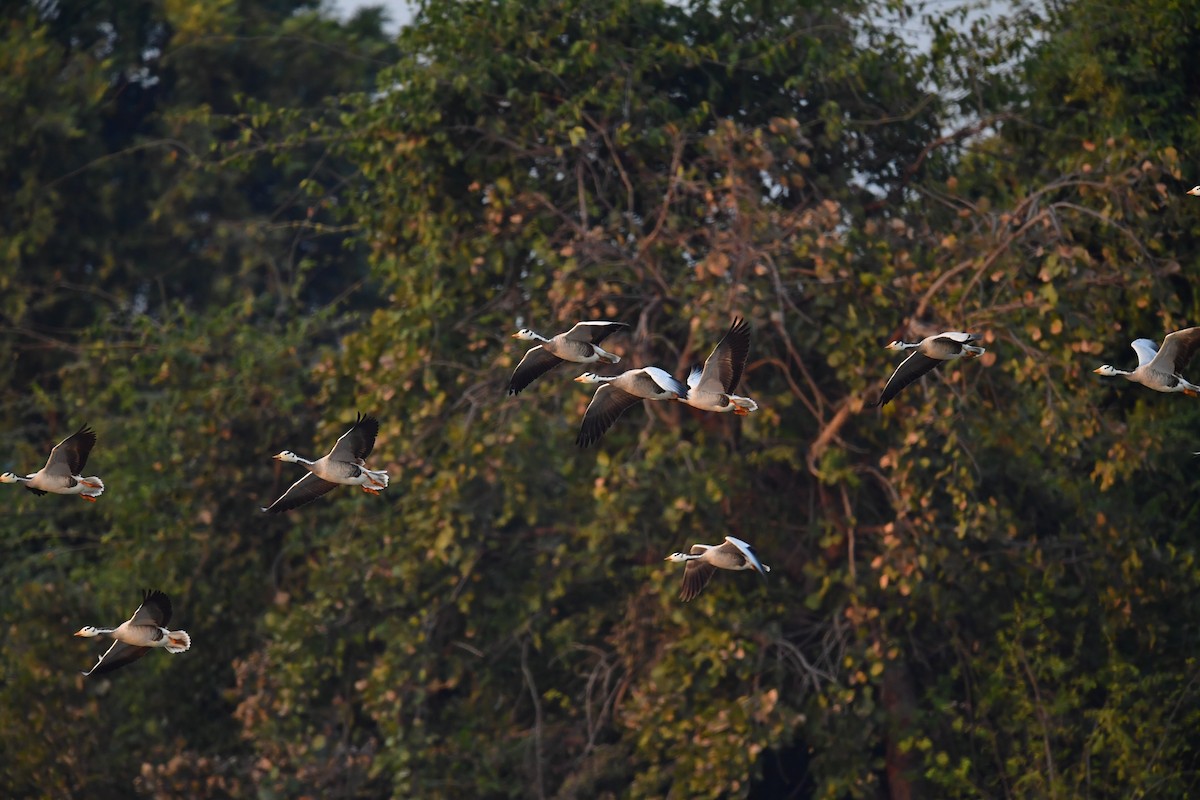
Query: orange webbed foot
(369,490)
(89,499)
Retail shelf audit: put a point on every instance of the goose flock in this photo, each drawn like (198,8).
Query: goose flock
(710,387)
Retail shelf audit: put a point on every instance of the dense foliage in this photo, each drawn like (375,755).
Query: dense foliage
(230,226)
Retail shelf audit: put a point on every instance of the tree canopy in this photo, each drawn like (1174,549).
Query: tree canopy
(231,227)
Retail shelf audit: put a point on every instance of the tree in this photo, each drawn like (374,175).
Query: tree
(151,287)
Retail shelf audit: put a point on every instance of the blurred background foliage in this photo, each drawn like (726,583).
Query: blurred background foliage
(230,226)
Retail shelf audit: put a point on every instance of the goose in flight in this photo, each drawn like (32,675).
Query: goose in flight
(705,559)
(711,388)
(61,475)
(927,354)
(581,345)
(621,392)
(344,464)
(147,628)
(1159,368)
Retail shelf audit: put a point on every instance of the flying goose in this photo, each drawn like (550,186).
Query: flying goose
(927,354)
(1159,368)
(620,392)
(345,464)
(705,559)
(711,388)
(61,475)
(147,628)
(581,344)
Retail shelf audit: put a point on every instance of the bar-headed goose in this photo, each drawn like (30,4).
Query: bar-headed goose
(705,559)
(621,392)
(711,388)
(581,345)
(1195,190)
(61,475)
(1159,368)
(927,354)
(147,628)
(345,464)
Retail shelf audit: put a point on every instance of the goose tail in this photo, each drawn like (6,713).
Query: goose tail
(604,355)
(178,642)
(742,405)
(92,487)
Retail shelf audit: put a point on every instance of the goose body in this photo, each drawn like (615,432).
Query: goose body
(927,354)
(580,345)
(705,559)
(711,388)
(345,464)
(621,392)
(135,637)
(1159,368)
(62,473)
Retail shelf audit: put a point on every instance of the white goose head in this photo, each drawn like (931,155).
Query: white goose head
(591,377)
(896,345)
(677,557)
(1195,190)
(1108,370)
(286,455)
(526,335)
(88,631)
(8,477)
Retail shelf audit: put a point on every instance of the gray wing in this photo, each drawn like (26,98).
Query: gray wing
(1178,348)
(1146,350)
(155,610)
(659,378)
(961,337)
(735,545)
(607,404)
(305,490)
(116,657)
(536,363)
(69,456)
(696,575)
(356,443)
(595,331)
(723,368)
(909,370)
